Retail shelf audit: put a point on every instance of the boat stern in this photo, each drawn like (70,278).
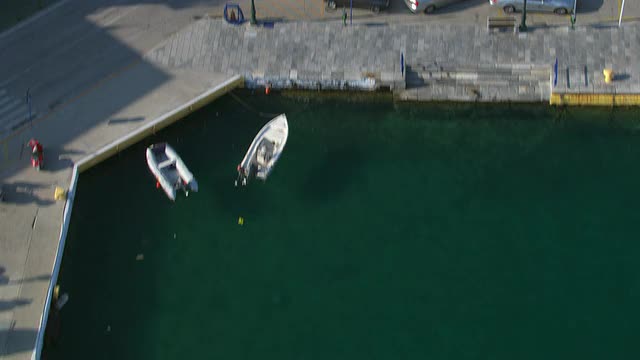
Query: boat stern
(193,185)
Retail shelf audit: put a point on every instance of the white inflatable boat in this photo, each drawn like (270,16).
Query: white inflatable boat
(169,170)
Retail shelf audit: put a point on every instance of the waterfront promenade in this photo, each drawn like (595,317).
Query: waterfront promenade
(460,62)
(441,62)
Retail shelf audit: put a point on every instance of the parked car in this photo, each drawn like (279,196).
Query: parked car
(560,7)
(428,6)
(373,5)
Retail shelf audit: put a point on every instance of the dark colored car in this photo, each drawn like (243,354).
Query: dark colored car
(373,5)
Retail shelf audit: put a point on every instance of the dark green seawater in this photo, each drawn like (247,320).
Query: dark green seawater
(384,232)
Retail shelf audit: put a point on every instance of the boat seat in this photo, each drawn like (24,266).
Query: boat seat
(166,163)
(261,156)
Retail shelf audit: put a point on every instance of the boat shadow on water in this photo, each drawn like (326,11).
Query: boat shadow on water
(330,178)
(250,201)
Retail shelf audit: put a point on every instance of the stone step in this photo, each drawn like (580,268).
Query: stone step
(502,80)
(451,91)
(497,68)
(496,76)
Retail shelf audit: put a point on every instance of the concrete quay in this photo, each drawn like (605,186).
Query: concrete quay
(441,62)
(77,137)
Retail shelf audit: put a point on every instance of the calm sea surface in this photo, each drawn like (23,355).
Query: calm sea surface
(384,232)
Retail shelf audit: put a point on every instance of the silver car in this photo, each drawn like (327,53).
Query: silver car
(560,7)
(428,6)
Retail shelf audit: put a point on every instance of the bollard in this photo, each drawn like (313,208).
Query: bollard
(59,193)
(608,75)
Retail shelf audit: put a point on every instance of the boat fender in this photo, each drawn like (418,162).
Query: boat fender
(240,220)
(157,184)
(267,89)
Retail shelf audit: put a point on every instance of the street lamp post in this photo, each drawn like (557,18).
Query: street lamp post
(523,24)
(621,11)
(253,13)
(350,12)
(29,104)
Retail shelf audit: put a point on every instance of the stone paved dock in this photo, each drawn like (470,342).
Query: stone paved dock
(452,62)
(442,62)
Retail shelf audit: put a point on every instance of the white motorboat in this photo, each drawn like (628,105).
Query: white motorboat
(264,151)
(170,171)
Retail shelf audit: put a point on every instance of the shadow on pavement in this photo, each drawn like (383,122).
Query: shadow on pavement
(375,24)
(611,25)
(17,340)
(56,159)
(5,280)
(269,22)
(83,52)
(620,77)
(6,305)
(25,193)
(125,120)
(587,6)
(13,12)
(453,8)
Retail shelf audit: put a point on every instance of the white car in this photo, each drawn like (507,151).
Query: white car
(428,6)
(560,7)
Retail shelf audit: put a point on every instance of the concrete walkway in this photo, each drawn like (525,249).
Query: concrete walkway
(30,218)
(441,60)
(308,55)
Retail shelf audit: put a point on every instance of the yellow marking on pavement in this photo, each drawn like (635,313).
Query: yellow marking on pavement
(595,99)
(624,18)
(619,7)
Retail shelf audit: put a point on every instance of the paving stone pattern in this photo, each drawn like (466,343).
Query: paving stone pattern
(330,55)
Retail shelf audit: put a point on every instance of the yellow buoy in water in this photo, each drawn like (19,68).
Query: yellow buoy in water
(240,220)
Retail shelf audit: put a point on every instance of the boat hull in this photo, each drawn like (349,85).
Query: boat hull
(169,170)
(265,150)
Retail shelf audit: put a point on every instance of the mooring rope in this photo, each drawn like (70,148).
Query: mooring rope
(249,107)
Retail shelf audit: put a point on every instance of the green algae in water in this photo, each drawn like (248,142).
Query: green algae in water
(384,232)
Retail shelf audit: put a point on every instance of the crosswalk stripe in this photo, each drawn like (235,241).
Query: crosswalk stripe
(20,114)
(12,103)
(6,127)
